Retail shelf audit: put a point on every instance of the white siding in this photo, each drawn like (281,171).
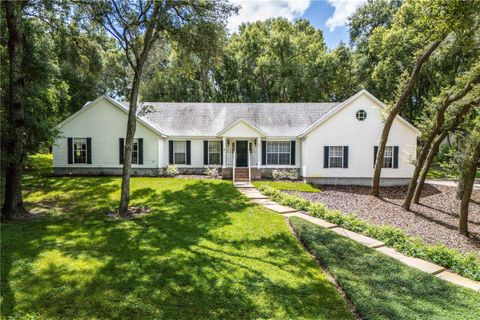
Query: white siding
(105,124)
(343,129)
(196,145)
(241,130)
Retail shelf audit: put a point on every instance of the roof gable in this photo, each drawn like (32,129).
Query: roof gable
(347,102)
(241,128)
(90,105)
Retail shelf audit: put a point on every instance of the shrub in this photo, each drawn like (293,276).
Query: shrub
(285,174)
(211,172)
(171,170)
(467,265)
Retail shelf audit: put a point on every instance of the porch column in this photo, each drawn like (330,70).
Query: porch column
(224,150)
(259,152)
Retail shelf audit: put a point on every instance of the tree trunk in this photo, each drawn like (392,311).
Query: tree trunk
(440,120)
(13,201)
(127,160)
(468,180)
(436,145)
(394,112)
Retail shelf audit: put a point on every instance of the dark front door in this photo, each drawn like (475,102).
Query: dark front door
(242,154)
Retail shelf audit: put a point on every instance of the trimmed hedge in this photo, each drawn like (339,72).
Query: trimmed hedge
(467,265)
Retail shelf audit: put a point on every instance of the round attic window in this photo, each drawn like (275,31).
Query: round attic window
(361,115)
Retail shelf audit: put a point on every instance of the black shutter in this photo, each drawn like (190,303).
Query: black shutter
(121,149)
(89,150)
(326,149)
(188,151)
(292,152)
(221,150)
(70,150)
(395,156)
(170,152)
(264,153)
(205,152)
(140,150)
(375,151)
(345,156)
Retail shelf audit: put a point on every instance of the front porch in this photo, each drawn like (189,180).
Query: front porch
(242,158)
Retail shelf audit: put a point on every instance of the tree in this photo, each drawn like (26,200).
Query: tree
(137,25)
(13,143)
(418,24)
(442,103)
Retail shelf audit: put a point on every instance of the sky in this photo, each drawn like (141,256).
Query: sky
(330,16)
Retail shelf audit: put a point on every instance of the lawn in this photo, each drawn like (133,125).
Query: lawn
(381,287)
(203,252)
(437,172)
(286,185)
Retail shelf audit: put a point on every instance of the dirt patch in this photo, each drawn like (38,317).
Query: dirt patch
(435,219)
(132,212)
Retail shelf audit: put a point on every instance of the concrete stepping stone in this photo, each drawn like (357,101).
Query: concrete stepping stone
(243,185)
(252,194)
(391,253)
(263,201)
(422,265)
(279,208)
(370,242)
(317,221)
(459,280)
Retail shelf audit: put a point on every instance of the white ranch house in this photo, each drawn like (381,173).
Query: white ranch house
(328,143)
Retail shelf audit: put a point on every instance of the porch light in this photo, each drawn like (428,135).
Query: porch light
(228,142)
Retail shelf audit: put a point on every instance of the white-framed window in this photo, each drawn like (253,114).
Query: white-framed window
(214,153)
(179,152)
(79,150)
(388,157)
(335,157)
(135,151)
(278,152)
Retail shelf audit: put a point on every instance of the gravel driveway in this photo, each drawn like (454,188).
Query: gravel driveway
(435,219)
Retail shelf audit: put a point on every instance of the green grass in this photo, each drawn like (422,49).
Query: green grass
(39,164)
(381,287)
(437,172)
(285,185)
(203,252)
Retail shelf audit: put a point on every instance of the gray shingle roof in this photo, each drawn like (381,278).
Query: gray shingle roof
(207,119)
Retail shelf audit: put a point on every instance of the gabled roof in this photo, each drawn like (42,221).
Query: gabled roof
(342,105)
(117,104)
(209,119)
(228,127)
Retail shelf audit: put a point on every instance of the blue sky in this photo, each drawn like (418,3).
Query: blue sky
(330,16)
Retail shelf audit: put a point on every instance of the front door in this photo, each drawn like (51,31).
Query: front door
(242,154)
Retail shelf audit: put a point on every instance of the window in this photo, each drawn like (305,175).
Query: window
(361,115)
(179,152)
(214,152)
(335,157)
(278,152)
(135,151)
(80,150)
(388,157)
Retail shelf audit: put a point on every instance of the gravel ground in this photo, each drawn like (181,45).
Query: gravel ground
(435,219)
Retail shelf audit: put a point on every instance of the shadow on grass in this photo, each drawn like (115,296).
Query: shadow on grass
(187,258)
(381,287)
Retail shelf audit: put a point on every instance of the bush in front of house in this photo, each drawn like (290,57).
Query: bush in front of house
(467,265)
(212,172)
(171,170)
(285,174)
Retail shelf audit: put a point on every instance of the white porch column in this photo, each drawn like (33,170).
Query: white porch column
(224,150)
(259,152)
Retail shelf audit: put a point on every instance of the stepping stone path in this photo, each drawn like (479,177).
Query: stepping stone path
(247,189)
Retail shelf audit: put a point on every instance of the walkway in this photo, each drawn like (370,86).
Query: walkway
(257,197)
(448,183)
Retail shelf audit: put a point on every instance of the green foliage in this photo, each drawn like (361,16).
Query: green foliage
(381,287)
(40,164)
(467,265)
(201,252)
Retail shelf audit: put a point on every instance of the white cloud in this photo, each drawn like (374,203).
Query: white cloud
(254,10)
(343,10)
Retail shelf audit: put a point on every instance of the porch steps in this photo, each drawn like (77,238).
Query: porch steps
(241,174)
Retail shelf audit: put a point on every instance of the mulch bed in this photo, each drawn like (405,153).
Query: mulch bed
(435,219)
